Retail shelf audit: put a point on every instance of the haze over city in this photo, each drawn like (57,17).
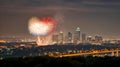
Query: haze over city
(92,16)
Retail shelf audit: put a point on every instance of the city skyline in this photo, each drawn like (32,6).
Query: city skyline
(92,16)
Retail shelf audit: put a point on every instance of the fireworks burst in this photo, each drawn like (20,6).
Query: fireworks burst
(41,28)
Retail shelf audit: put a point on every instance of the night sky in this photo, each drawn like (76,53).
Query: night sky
(92,16)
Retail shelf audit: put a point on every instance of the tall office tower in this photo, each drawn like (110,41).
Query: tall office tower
(83,37)
(76,39)
(68,38)
(55,38)
(60,37)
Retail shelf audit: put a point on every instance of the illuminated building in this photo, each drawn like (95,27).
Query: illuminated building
(55,38)
(76,39)
(68,38)
(60,37)
(83,38)
(98,39)
(89,39)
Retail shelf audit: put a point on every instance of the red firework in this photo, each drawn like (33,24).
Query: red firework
(50,22)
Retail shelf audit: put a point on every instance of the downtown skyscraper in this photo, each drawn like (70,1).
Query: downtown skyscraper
(76,38)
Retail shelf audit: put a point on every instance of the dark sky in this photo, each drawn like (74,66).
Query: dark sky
(92,16)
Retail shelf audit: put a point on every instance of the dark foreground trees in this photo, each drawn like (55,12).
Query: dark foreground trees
(45,61)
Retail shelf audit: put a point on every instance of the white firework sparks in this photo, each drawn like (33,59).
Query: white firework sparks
(37,27)
(42,29)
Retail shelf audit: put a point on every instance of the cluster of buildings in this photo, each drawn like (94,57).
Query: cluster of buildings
(76,37)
